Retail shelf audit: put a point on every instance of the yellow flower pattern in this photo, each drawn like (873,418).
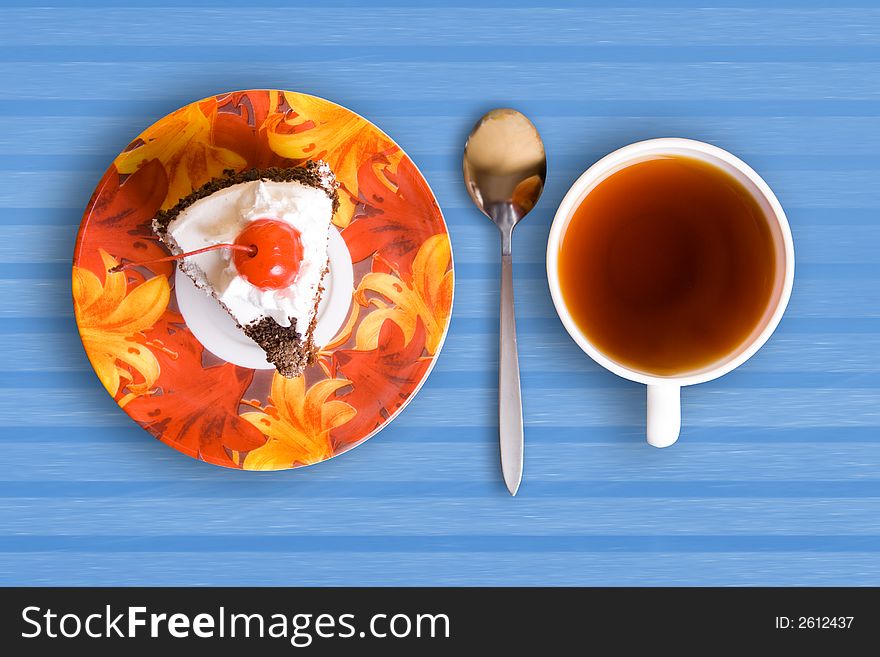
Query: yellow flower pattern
(111,319)
(297,423)
(426,295)
(331,133)
(182,143)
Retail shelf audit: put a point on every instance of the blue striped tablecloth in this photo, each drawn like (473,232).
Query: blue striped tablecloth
(776,479)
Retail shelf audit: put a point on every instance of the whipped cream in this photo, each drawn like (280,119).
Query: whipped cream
(220,217)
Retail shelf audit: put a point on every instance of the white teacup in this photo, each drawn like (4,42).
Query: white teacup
(664,392)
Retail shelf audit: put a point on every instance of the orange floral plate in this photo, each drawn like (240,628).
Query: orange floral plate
(148,358)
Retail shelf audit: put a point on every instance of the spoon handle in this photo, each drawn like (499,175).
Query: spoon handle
(510,419)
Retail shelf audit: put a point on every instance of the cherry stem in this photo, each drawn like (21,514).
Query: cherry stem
(251,250)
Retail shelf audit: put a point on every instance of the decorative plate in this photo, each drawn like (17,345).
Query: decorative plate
(387,313)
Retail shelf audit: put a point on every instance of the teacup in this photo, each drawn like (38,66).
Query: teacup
(664,391)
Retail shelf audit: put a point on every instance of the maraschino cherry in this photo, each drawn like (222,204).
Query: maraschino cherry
(279,254)
(268,254)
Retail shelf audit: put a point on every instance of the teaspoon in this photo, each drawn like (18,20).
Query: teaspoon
(504,172)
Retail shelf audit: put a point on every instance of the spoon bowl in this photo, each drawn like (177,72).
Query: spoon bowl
(504,171)
(504,166)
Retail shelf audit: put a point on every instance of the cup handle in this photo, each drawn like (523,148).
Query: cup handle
(664,414)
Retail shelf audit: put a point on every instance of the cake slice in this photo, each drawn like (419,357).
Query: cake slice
(283,214)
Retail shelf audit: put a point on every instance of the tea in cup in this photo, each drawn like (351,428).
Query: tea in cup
(670,263)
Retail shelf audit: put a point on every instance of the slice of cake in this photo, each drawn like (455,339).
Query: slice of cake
(275,223)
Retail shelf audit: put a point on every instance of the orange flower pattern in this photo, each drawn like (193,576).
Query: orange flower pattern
(112,321)
(316,129)
(150,362)
(297,423)
(182,143)
(425,294)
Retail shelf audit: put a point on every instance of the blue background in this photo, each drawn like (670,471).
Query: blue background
(775,479)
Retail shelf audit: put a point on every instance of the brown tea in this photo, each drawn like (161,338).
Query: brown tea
(668,265)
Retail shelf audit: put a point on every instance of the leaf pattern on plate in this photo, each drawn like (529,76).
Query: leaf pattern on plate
(123,212)
(195,408)
(242,124)
(393,361)
(397,215)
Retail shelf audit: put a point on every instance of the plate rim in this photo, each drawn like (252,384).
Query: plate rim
(86,218)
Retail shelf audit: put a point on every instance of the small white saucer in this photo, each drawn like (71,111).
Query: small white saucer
(219,334)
